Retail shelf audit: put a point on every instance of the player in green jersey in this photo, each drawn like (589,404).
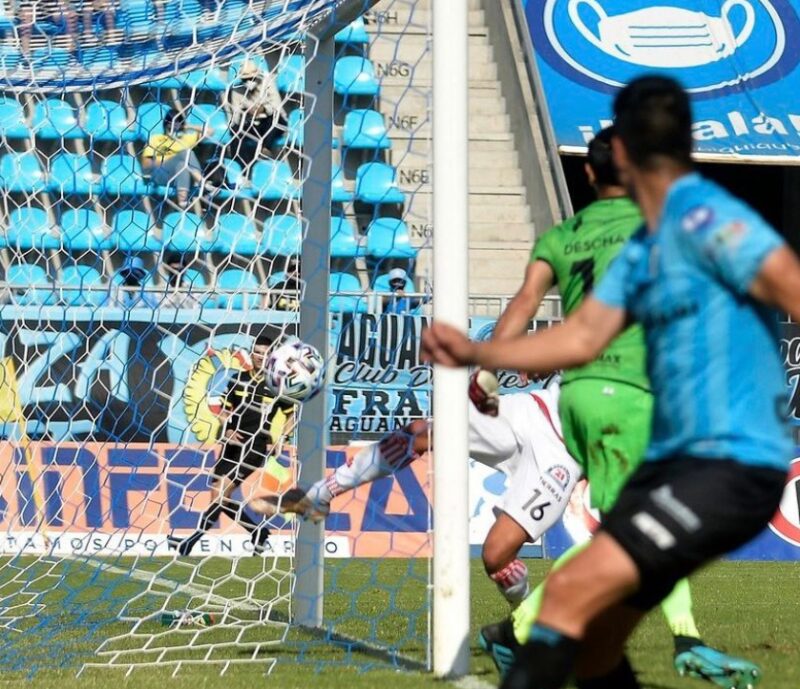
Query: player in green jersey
(606,405)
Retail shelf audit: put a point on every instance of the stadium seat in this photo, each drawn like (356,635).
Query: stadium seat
(235,281)
(376,184)
(236,16)
(215,121)
(381,284)
(184,232)
(273,180)
(98,57)
(83,230)
(12,119)
(365,129)
(211,79)
(343,238)
(389,238)
(108,121)
(173,81)
(133,232)
(339,194)
(195,279)
(283,235)
(55,119)
(236,63)
(295,130)
(137,18)
(29,285)
(121,175)
(71,173)
(30,228)
(236,234)
(239,186)
(150,119)
(6,18)
(291,74)
(10,57)
(21,172)
(354,33)
(81,286)
(50,59)
(346,303)
(355,76)
(186,23)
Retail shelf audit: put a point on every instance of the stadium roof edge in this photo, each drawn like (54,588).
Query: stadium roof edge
(340,16)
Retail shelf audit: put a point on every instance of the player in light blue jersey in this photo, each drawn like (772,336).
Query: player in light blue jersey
(702,276)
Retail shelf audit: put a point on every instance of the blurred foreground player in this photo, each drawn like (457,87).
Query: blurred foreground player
(253,425)
(606,406)
(702,277)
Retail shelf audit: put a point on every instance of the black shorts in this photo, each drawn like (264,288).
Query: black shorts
(676,515)
(237,462)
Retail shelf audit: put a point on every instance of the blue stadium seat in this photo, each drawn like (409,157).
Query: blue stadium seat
(214,119)
(236,63)
(365,129)
(235,280)
(346,303)
(376,184)
(291,74)
(137,18)
(236,16)
(381,284)
(185,23)
(184,232)
(29,285)
(239,186)
(389,238)
(6,18)
(122,176)
(133,232)
(339,194)
(273,180)
(236,234)
(211,79)
(194,279)
(354,33)
(10,57)
(173,81)
(56,119)
(295,130)
(283,235)
(21,172)
(50,58)
(71,173)
(150,119)
(98,57)
(343,238)
(108,121)
(30,228)
(81,286)
(12,119)
(83,230)
(355,76)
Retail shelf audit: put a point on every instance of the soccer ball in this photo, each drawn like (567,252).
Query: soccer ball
(295,370)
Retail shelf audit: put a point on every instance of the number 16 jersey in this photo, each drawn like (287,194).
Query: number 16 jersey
(579,251)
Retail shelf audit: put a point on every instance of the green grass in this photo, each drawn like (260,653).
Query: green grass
(745,608)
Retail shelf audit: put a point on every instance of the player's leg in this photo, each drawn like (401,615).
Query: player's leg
(503,567)
(220,485)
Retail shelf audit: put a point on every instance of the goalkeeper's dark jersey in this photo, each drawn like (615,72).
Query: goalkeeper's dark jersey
(252,410)
(579,251)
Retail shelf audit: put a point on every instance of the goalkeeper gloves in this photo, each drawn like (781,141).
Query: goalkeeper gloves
(483,392)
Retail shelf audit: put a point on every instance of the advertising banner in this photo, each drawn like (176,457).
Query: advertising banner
(737,58)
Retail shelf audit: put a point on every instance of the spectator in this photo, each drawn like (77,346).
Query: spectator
(61,16)
(284,294)
(397,302)
(169,158)
(106,12)
(256,112)
(181,292)
(128,286)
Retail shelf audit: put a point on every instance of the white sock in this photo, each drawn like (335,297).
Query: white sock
(512,581)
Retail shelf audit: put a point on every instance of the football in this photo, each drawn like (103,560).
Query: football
(295,370)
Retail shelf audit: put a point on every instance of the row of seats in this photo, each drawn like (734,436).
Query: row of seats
(133,231)
(121,175)
(235,288)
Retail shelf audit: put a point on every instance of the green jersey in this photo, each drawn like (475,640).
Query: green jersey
(579,251)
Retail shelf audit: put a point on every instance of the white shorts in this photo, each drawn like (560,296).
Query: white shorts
(524,442)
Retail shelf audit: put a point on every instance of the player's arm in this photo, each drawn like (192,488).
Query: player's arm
(523,306)
(579,340)
(778,281)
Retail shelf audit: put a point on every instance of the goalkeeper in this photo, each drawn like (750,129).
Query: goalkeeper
(606,405)
(252,420)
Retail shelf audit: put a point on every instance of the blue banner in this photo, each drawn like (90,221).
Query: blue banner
(737,58)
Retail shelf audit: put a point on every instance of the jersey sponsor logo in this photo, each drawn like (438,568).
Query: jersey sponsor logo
(592,245)
(786,522)
(603,44)
(697,219)
(731,236)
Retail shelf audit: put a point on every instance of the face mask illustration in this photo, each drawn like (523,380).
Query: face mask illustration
(665,36)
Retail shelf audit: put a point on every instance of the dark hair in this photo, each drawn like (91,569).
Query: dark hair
(264,340)
(653,118)
(600,160)
(173,121)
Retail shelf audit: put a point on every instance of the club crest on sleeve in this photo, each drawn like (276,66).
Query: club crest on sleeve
(697,219)
(560,474)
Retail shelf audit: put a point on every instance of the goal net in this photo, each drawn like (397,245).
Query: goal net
(173,177)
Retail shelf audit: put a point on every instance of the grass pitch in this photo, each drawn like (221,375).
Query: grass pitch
(58,613)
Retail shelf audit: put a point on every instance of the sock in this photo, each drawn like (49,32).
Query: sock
(527,612)
(545,662)
(677,608)
(258,531)
(207,521)
(512,581)
(374,461)
(621,677)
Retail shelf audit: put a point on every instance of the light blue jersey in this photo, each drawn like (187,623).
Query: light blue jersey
(713,357)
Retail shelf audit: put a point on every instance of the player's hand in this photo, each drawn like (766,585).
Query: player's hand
(446,345)
(483,392)
(234,436)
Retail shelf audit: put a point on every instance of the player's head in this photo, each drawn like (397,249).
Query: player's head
(600,168)
(653,126)
(261,348)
